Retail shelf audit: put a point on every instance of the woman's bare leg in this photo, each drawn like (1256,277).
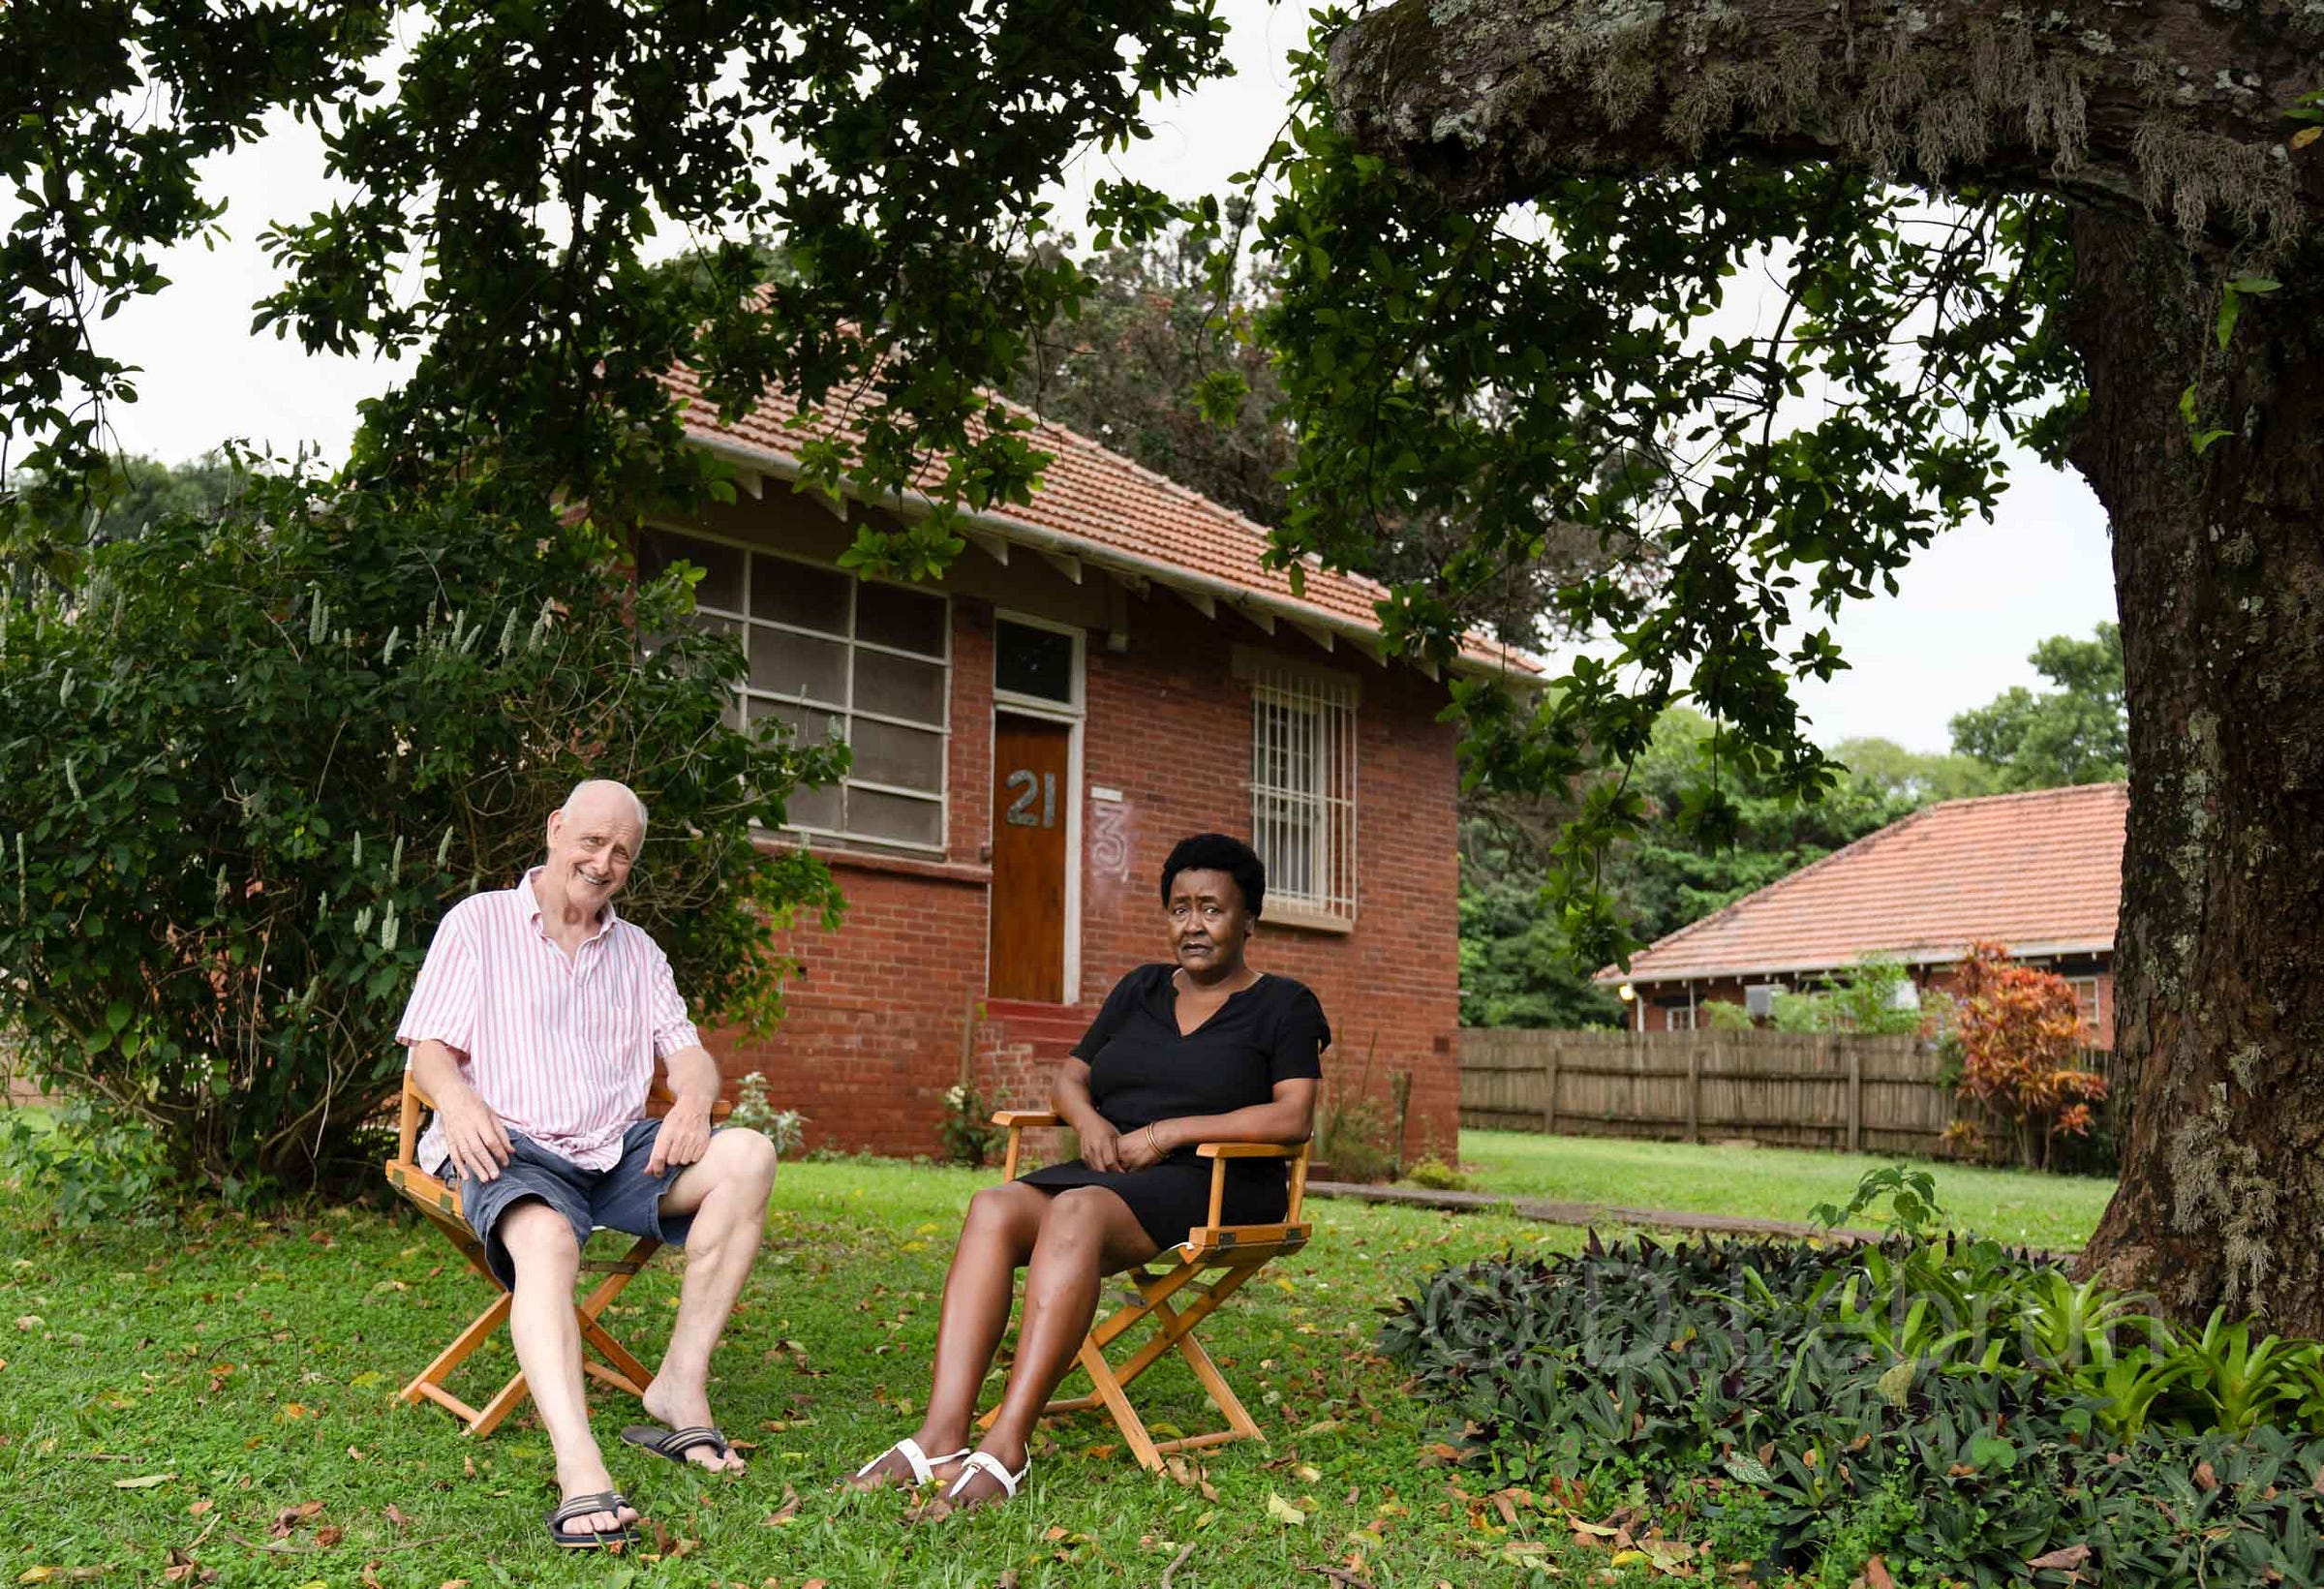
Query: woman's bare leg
(995,1240)
(1087,1233)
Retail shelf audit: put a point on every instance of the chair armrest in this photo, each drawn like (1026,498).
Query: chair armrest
(1016,1120)
(1218,1152)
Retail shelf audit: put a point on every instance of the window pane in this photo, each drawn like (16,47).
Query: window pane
(1031,661)
(895,818)
(799,593)
(784,663)
(885,754)
(888,615)
(808,726)
(814,809)
(898,687)
(722,584)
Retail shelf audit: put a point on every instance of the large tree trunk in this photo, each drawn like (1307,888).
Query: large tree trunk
(2219,573)
(2161,123)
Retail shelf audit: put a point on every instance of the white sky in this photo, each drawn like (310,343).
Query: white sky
(1970,610)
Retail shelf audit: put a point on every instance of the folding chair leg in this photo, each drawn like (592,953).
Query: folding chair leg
(430,1380)
(1125,1416)
(510,1396)
(625,1372)
(1214,1386)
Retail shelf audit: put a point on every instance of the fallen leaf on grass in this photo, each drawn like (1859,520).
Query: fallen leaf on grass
(200,1509)
(784,1512)
(2205,1477)
(397,1518)
(2066,1557)
(289,1518)
(330,1535)
(148,1482)
(1284,1512)
(1875,1574)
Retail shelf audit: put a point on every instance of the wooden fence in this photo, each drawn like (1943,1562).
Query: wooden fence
(1805,1090)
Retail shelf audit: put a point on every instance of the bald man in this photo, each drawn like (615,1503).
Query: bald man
(534,1026)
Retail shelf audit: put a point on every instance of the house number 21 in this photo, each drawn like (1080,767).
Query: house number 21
(1030,786)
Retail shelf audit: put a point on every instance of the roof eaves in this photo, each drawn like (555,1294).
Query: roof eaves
(1508,663)
(1920,955)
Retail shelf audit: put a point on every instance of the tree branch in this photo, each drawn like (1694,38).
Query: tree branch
(2167,106)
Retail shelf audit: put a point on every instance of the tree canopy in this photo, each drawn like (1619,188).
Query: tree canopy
(2078,733)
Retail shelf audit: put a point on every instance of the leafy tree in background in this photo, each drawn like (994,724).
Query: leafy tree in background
(2078,733)
(1518,970)
(1914,777)
(250,761)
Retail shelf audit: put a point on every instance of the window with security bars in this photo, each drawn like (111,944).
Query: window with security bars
(835,656)
(1303,790)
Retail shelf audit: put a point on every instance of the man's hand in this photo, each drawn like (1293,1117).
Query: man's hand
(479,1141)
(1101,1146)
(683,1137)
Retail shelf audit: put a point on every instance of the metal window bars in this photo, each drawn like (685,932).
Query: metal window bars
(1304,789)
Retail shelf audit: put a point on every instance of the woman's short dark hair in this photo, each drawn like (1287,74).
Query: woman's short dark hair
(1217,852)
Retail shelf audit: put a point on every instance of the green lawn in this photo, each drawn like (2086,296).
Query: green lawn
(176,1390)
(2055,1211)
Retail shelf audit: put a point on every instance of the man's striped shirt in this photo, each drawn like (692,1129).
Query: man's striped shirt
(561,1047)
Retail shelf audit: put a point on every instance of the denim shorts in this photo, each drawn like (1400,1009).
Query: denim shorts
(625,1198)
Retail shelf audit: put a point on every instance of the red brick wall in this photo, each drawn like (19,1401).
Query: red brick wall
(875,1033)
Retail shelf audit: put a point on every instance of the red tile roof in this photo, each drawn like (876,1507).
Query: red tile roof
(2040,871)
(1100,505)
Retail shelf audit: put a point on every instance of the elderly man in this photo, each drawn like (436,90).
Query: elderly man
(534,1026)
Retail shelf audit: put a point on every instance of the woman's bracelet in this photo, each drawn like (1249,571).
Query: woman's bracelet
(1152,1141)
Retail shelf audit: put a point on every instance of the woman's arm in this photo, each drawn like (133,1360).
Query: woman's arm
(1287,1117)
(1069,1097)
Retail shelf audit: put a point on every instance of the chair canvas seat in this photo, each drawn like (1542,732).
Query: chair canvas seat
(439,1203)
(1232,1253)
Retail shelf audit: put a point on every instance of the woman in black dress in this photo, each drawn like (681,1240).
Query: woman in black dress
(1205,1050)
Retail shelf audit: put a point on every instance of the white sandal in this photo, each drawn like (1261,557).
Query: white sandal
(924,1466)
(986,1463)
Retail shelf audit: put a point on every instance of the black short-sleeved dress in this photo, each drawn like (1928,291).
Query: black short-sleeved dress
(1142,1070)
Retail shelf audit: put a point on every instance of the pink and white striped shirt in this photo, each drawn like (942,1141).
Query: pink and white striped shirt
(560,1049)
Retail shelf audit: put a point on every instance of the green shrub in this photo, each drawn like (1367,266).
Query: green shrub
(786,1128)
(1946,1404)
(1355,1139)
(250,762)
(87,1165)
(1435,1174)
(970,1137)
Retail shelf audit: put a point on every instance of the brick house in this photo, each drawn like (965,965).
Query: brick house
(1103,671)
(2040,872)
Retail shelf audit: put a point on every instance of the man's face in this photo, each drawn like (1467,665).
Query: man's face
(592,848)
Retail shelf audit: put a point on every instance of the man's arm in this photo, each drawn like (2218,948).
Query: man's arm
(479,1141)
(684,1134)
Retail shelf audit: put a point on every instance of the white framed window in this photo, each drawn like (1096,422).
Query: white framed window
(1678,1016)
(840,658)
(1304,789)
(2086,999)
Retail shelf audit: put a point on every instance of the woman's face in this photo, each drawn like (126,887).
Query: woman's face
(1208,926)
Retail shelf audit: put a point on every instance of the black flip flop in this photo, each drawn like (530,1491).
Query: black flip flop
(674,1443)
(581,1506)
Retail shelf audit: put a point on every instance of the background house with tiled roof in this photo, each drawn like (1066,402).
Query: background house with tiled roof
(2040,872)
(1106,669)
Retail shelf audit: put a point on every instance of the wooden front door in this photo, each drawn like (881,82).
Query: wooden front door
(1029,793)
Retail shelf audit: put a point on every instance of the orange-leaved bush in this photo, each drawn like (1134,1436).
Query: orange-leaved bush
(2021,1033)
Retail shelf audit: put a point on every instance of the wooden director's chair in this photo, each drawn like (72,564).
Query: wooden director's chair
(441,1202)
(1236,1251)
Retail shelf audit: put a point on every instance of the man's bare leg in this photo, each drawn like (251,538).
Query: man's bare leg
(726,1192)
(548,1349)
